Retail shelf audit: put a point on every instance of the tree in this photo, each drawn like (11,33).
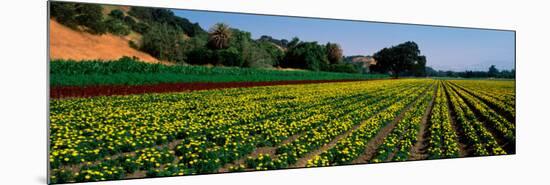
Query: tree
(419,67)
(117,14)
(493,71)
(305,55)
(116,26)
(64,13)
(164,43)
(91,16)
(334,53)
(165,16)
(74,15)
(219,36)
(398,59)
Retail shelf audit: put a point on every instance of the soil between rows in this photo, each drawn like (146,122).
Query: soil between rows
(58,92)
(418,151)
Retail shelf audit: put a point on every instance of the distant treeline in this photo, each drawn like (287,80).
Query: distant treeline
(493,72)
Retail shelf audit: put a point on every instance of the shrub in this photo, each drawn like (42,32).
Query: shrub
(117,27)
(117,14)
(129,21)
(140,27)
(229,57)
(199,56)
(133,44)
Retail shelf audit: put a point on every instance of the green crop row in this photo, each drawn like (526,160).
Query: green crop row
(127,71)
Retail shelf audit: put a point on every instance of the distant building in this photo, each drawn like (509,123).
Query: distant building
(364,62)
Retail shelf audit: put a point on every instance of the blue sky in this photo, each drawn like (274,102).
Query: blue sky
(445,48)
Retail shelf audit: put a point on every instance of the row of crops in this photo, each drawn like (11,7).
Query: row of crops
(127,71)
(274,127)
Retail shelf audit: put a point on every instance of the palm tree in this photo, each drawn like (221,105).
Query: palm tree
(219,35)
(334,53)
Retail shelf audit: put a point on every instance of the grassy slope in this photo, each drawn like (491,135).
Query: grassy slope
(130,72)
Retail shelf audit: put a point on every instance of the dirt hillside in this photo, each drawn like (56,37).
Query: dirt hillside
(66,43)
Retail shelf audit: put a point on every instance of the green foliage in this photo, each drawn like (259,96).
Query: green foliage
(199,56)
(229,57)
(64,13)
(129,21)
(493,71)
(404,57)
(141,28)
(91,16)
(266,38)
(164,43)
(341,68)
(165,16)
(275,54)
(117,27)
(130,72)
(117,14)
(305,55)
(79,14)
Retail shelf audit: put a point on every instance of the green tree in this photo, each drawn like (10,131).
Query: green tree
(117,14)
(64,13)
(73,15)
(398,59)
(219,36)
(493,71)
(164,43)
(305,55)
(91,16)
(116,26)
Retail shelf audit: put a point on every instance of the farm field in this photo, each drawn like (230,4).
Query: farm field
(277,127)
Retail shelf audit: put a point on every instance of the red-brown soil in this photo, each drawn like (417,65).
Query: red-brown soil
(109,90)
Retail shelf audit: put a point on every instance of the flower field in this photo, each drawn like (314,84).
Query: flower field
(277,127)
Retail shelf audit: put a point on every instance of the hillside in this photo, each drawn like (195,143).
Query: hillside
(66,43)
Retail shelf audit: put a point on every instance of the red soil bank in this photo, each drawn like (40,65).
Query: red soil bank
(109,90)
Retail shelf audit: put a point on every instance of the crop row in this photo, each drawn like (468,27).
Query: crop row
(481,140)
(443,140)
(349,148)
(489,116)
(506,107)
(501,92)
(397,144)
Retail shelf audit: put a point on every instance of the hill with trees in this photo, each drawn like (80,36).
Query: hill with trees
(166,37)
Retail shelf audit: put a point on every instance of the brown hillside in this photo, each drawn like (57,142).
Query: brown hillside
(66,43)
